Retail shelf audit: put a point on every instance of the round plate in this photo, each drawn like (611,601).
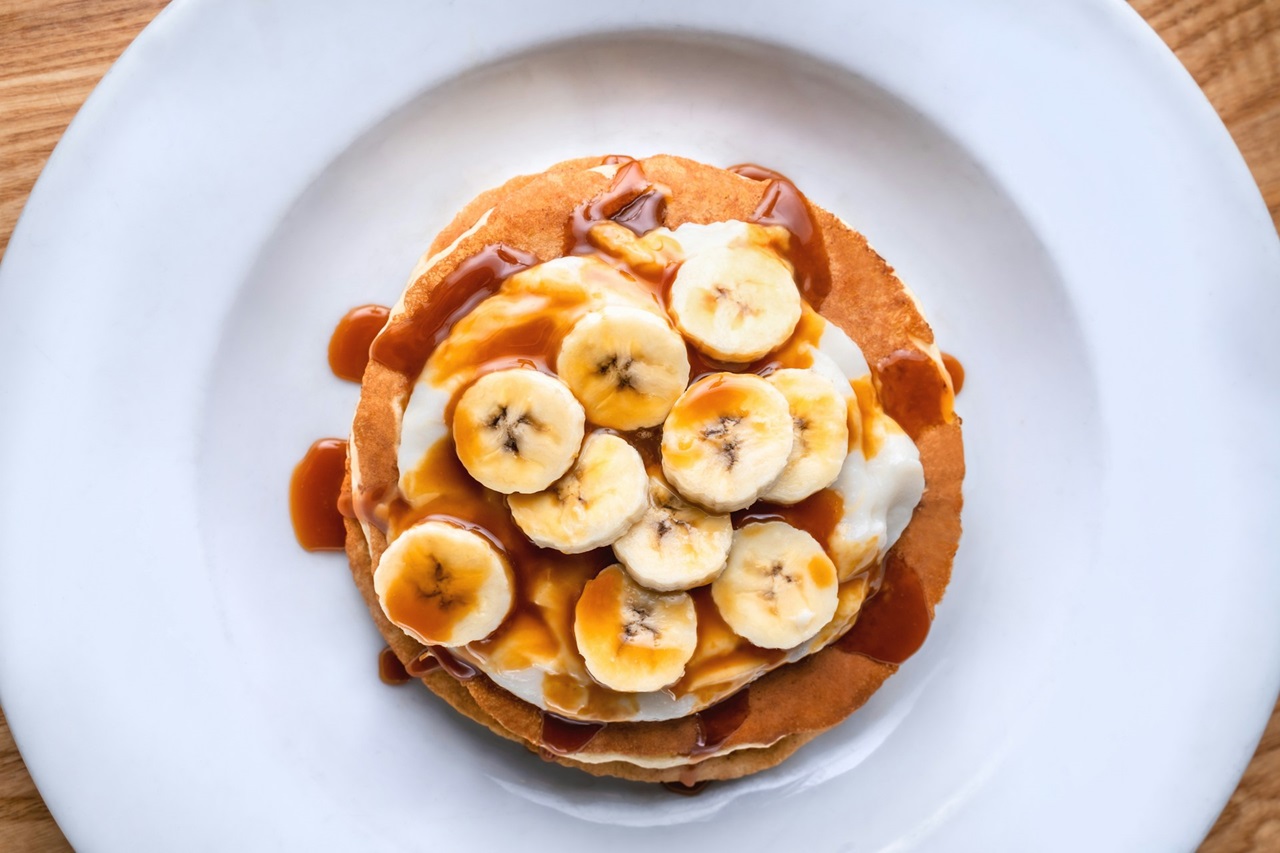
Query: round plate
(1049,181)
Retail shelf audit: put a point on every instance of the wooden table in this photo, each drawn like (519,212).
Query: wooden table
(53,52)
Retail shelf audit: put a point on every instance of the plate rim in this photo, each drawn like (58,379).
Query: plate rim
(95,116)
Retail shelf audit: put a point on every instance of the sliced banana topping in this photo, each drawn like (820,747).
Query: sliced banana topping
(674,545)
(621,362)
(633,639)
(779,587)
(820,424)
(726,439)
(603,494)
(626,365)
(735,304)
(443,585)
(517,430)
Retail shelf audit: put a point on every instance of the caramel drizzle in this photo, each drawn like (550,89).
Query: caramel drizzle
(406,343)
(390,669)
(349,345)
(631,201)
(783,204)
(562,736)
(438,657)
(895,618)
(894,622)
(720,722)
(314,490)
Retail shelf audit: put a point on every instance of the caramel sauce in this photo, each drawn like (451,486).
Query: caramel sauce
(797,350)
(534,343)
(818,515)
(690,790)
(955,370)
(406,343)
(864,432)
(349,345)
(390,670)
(372,507)
(630,201)
(647,442)
(785,205)
(644,213)
(894,622)
(721,656)
(438,657)
(548,583)
(723,396)
(459,669)
(424,663)
(562,736)
(429,598)
(701,365)
(313,496)
(452,495)
(912,391)
(719,722)
(660,286)
(756,172)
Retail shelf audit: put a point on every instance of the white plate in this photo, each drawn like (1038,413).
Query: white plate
(1083,233)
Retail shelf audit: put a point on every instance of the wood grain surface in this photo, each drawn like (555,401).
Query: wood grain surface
(52,54)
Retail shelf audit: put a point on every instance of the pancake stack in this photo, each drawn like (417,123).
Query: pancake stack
(594,362)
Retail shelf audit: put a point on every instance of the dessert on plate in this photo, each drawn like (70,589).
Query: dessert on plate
(655,468)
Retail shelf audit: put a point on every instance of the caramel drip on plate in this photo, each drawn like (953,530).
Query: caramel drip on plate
(349,345)
(313,496)
(390,670)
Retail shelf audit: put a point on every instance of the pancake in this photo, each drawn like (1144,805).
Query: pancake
(789,705)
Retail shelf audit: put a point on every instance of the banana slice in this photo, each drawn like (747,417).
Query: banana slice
(726,439)
(517,430)
(632,639)
(820,423)
(674,545)
(779,587)
(443,585)
(735,304)
(604,493)
(626,365)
